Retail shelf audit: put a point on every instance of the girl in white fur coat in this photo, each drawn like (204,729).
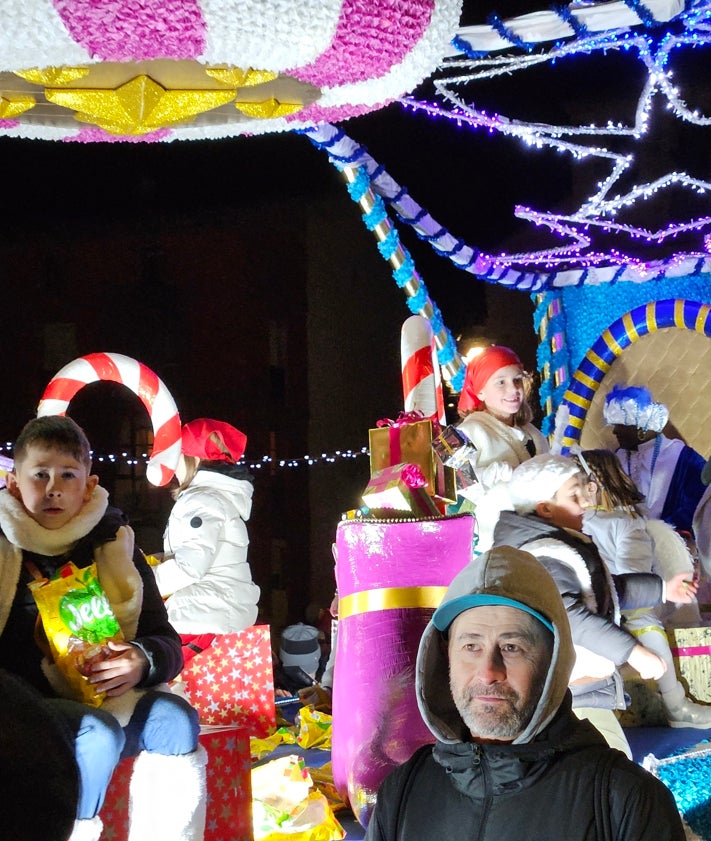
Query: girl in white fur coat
(630,542)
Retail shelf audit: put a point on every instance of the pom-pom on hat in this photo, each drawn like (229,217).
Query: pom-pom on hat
(634,406)
(479,370)
(300,647)
(213,440)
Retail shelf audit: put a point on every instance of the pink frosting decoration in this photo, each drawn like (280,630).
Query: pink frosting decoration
(371,37)
(98,135)
(135,30)
(9,123)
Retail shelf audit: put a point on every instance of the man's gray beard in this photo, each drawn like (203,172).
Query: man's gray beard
(494,722)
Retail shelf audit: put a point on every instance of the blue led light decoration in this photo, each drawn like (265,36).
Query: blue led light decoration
(655,33)
(362,176)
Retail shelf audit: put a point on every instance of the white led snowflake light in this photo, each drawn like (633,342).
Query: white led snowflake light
(599,212)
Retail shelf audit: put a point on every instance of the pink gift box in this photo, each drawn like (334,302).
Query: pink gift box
(392,488)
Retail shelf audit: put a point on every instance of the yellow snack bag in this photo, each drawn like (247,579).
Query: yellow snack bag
(78,621)
(314,729)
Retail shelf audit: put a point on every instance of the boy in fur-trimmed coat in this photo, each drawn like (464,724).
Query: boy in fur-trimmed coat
(549,495)
(53,511)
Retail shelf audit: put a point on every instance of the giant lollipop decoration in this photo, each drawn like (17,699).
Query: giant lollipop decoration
(390,575)
(85,71)
(151,390)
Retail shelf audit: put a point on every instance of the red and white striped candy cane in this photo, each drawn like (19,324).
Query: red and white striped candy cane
(421,377)
(114,367)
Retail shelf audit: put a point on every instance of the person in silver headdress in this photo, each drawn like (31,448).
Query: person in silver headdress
(665,470)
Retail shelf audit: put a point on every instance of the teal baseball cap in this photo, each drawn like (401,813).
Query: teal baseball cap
(445,614)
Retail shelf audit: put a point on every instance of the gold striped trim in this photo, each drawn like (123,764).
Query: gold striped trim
(597,361)
(387,598)
(651,316)
(679,313)
(701,317)
(611,342)
(577,400)
(586,380)
(630,328)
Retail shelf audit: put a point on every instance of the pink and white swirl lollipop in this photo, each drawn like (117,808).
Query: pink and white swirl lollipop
(144,383)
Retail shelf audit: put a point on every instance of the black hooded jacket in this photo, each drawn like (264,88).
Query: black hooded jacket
(558,780)
(566,785)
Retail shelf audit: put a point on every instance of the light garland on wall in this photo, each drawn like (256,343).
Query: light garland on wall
(270,463)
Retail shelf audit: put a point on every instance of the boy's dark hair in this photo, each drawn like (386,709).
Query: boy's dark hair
(55,431)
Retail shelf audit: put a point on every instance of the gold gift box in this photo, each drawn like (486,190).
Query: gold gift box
(412,443)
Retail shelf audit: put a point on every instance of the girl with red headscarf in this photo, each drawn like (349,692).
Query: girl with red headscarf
(205,574)
(496,418)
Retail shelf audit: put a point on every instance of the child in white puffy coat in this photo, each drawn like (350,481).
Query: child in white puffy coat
(205,573)
(630,542)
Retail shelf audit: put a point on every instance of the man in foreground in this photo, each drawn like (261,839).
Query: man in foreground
(510,760)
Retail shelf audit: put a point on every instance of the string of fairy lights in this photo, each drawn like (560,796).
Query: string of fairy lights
(125,459)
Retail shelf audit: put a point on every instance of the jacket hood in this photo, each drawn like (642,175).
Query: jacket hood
(236,489)
(504,574)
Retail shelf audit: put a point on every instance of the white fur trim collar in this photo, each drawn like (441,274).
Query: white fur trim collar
(21,530)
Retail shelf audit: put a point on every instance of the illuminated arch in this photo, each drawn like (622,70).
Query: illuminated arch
(656,315)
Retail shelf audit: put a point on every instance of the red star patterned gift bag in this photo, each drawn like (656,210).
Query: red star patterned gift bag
(232,682)
(229,789)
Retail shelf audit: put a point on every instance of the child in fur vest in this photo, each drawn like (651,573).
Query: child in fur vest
(549,494)
(630,542)
(54,511)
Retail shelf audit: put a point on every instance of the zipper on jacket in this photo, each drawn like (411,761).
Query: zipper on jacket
(478,759)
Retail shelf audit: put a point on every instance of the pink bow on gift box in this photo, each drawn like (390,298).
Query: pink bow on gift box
(412,476)
(402,419)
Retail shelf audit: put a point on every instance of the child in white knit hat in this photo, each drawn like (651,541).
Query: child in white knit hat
(549,494)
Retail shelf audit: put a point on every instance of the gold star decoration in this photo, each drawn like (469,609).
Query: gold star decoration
(51,76)
(236,77)
(137,107)
(13,107)
(268,108)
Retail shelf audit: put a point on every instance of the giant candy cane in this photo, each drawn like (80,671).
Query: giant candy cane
(421,377)
(114,367)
